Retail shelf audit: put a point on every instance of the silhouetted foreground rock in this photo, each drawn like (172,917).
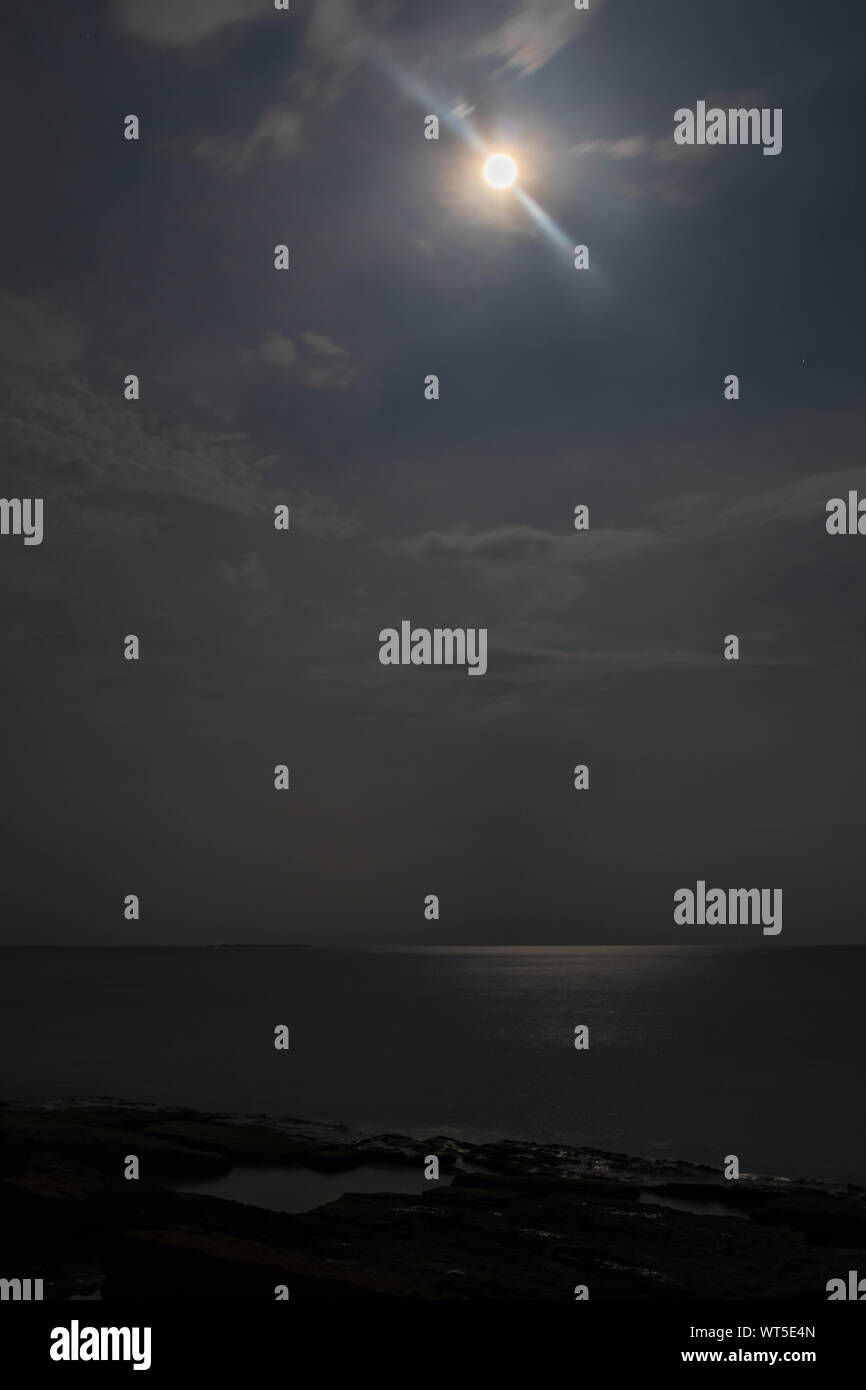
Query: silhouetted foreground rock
(519,1221)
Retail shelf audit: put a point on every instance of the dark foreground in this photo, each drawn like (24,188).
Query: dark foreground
(533,1222)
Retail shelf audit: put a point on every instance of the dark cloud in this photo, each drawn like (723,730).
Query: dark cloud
(76,442)
(532,32)
(247,574)
(322,365)
(277,136)
(523,545)
(38,335)
(176,26)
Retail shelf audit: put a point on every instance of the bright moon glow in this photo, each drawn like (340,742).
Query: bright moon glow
(500,171)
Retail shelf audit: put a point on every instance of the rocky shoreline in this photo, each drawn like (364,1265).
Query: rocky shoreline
(516,1220)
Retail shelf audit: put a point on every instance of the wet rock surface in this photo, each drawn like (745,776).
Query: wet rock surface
(519,1221)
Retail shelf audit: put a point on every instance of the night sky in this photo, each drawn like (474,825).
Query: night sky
(558,387)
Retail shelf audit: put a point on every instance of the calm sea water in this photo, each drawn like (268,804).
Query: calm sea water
(694,1053)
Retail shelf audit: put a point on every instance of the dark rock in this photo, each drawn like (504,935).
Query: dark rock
(519,1222)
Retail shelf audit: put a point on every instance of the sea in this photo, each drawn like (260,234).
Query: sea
(693,1053)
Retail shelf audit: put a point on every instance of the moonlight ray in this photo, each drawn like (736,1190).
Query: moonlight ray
(428,101)
(551,229)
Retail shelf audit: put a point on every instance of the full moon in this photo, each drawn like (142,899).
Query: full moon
(500,171)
